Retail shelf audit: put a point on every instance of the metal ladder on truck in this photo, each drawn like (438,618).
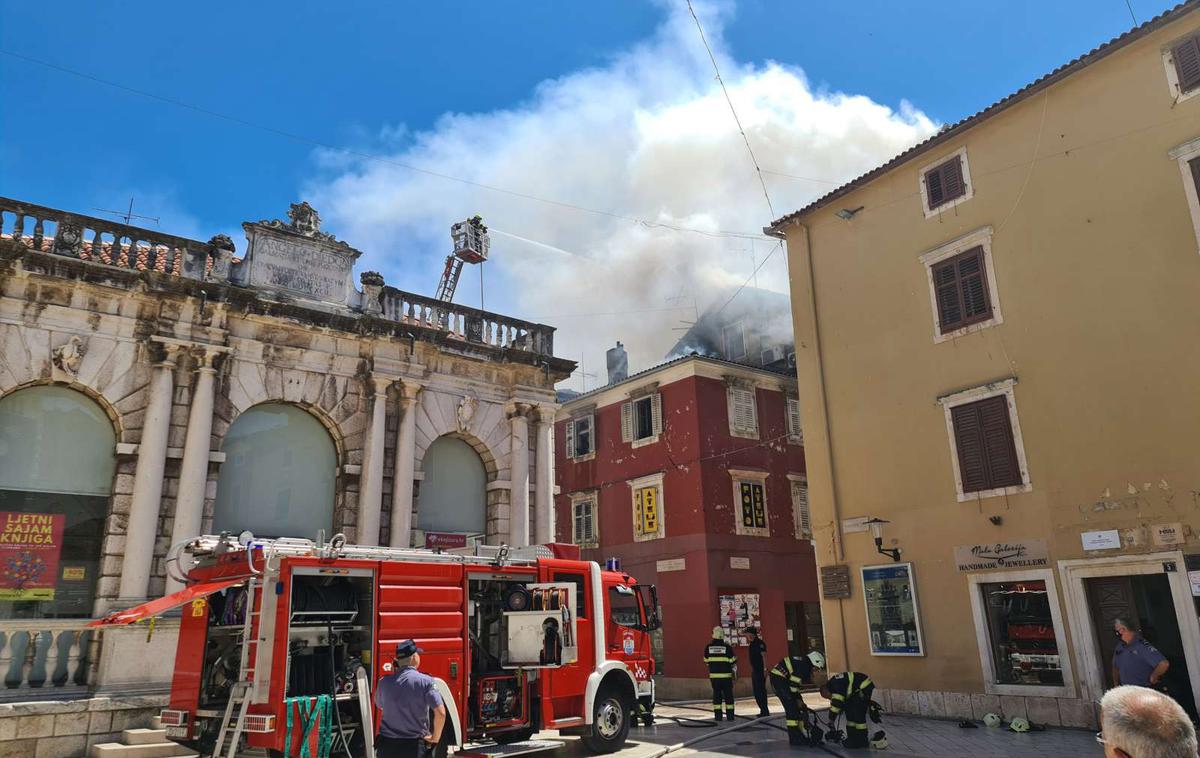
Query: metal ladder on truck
(233,723)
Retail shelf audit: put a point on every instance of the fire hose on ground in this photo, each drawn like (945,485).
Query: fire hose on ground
(697,723)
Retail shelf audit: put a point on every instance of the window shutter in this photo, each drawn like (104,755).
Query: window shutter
(800,510)
(1187,63)
(656,414)
(627,422)
(952,179)
(968,438)
(1195,164)
(974,286)
(933,188)
(742,413)
(945,284)
(1000,449)
(793,420)
(570,439)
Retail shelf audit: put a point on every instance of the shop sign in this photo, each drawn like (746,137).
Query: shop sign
(739,563)
(671,564)
(856,524)
(1109,539)
(1001,555)
(893,618)
(1168,534)
(445,540)
(835,582)
(30,546)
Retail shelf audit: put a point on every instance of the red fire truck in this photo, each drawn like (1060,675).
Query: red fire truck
(275,631)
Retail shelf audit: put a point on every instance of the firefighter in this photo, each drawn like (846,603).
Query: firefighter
(758,672)
(786,678)
(718,655)
(850,691)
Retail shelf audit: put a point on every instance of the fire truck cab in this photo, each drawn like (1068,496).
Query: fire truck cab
(517,640)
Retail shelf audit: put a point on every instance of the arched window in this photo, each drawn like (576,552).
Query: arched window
(57,458)
(278,476)
(453,494)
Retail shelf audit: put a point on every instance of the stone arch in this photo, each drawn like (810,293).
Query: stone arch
(119,427)
(487,432)
(274,499)
(455,484)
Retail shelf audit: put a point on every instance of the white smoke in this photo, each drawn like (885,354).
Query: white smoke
(650,136)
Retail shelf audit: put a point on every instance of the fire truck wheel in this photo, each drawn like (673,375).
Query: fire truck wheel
(610,722)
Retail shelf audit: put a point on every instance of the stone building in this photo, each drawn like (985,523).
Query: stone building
(154,387)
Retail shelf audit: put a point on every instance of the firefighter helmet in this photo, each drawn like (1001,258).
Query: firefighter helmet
(1019,725)
(817,660)
(879,740)
(718,633)
(992,720)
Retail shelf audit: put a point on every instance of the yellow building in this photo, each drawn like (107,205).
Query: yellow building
(997,347)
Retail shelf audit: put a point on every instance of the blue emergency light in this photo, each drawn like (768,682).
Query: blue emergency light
(612,564)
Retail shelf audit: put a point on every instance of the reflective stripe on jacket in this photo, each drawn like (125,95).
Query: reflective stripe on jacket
(719,658)
(844,686)
(787,668)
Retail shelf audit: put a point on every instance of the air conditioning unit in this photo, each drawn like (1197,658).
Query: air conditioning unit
(771,354)
(792,360)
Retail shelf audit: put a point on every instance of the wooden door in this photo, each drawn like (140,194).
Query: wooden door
(797,633)
(1110,598)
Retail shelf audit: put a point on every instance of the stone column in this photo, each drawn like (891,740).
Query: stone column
(193,472)
(544,468)
(518,514)
(148,483)
(402,479)
(370,490)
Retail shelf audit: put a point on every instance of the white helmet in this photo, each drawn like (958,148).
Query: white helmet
(718,633)
(992,719)
(1019,725)
(817,660)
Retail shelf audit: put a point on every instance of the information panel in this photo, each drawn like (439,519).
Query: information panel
(893,618)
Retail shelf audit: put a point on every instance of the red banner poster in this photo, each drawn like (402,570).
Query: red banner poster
(30,546)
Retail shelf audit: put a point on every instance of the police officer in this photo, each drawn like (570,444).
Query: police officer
(405,697)
(718,655)
(1136,661)
(786,679)
(850,691)
(758,673)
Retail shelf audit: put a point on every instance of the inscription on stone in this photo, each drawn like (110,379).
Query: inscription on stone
(309,271)
(835,582)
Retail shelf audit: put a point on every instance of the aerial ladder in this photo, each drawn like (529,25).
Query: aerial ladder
(471,244)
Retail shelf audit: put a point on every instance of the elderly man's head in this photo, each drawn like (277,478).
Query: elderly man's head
(1142,723)
(1126,630)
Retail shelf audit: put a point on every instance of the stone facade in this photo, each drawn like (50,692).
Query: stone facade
(174,339)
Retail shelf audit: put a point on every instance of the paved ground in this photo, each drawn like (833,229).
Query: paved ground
(909,737)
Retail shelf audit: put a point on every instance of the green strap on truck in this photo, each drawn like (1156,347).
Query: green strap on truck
(313,712)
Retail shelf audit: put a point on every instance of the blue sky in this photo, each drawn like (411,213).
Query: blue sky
(605,105)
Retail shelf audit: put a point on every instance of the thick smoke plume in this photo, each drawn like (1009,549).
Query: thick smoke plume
(649,135)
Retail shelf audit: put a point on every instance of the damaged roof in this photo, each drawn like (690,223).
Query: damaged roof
(641,375)
(951,131)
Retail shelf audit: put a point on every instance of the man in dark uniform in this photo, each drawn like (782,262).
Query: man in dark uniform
(719,658)
(850,691)
(405,697)
(786,679)
(758,673)
(1136,661)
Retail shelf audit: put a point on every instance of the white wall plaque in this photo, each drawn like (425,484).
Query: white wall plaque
(739,563)
(1168,534)
(671,564)
(1109,539)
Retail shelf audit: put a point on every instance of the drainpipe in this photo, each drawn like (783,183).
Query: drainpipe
(839,552)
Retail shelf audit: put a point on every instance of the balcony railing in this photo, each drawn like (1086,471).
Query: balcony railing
(111,243)
(49,659)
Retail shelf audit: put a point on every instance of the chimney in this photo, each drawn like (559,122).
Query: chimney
(618,364)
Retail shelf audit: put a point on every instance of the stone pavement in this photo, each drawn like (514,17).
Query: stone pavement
(910,737)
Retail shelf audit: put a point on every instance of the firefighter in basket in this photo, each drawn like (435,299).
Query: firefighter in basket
(850,691)
(719,658)
(786,678)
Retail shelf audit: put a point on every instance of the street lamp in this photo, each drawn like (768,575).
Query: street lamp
(876,525)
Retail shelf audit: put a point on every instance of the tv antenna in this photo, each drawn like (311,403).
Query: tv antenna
(583,373)
(128,215)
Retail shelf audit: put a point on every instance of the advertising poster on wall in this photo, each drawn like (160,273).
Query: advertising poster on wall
(890,596)
(30,546)
(738,611)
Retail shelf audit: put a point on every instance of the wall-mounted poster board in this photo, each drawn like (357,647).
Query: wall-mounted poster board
(893,617)
(738,611)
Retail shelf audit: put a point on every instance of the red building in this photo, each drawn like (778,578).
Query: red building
(692,475)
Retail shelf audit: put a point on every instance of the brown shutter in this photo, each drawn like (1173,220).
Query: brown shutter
(933,187)
(973,283)
(998,443)
(1195,164)
(952,179)
(968,438)
(1187,63)
(945,284)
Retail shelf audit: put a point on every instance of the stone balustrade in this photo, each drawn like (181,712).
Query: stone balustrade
(50,658)
(112,243)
